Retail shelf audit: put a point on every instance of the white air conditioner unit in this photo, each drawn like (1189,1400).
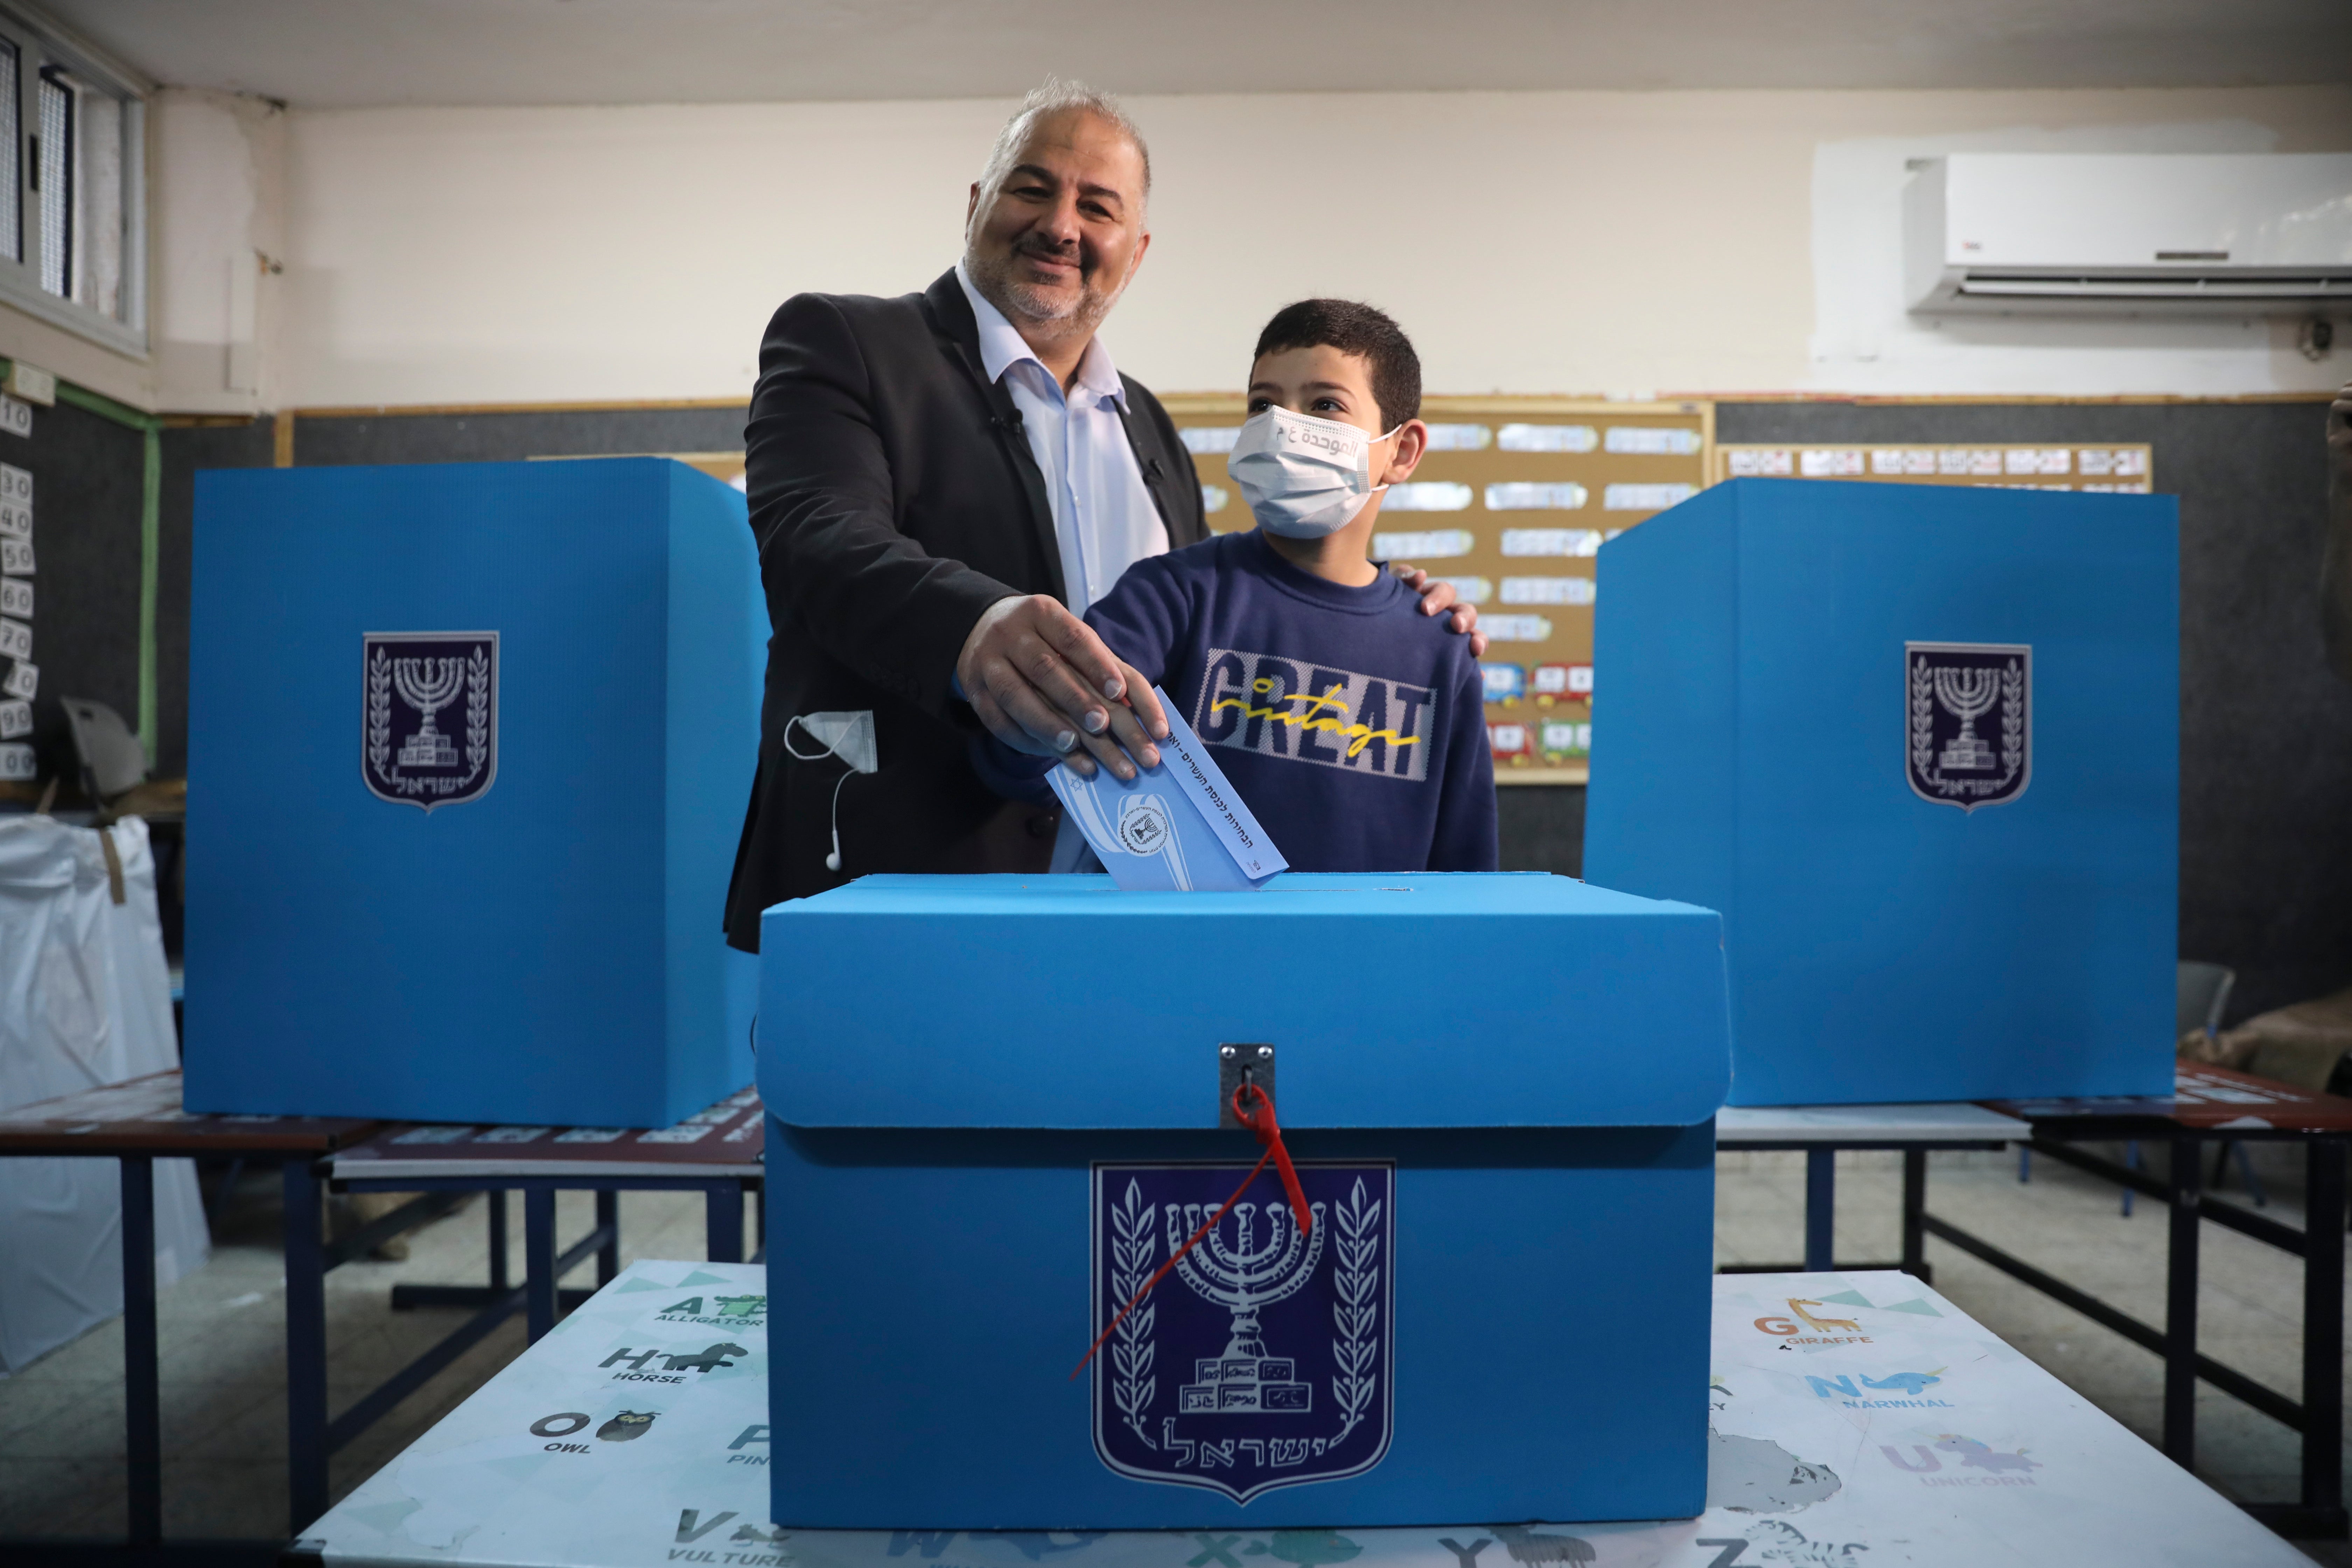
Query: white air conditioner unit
(2253,234)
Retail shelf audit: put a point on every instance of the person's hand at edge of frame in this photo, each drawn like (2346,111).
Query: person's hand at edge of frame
(1436,596)
(1044,683)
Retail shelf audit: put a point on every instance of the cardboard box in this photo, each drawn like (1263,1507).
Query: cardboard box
(1920,746)
(995,1111)
(469,746)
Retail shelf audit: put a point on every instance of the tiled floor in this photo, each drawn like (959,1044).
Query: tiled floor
(222,1333)
(224,1369)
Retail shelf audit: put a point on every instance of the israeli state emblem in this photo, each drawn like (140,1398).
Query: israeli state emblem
(1264,1358)
(1968,728)
(429,729)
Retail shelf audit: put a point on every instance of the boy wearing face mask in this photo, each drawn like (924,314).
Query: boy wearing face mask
(1352,724)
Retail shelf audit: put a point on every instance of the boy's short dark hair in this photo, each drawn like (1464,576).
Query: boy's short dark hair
(1358,329)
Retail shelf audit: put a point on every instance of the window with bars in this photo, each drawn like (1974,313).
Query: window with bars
(72,227)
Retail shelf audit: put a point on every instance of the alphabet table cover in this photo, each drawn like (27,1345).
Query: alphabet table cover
(1858,1420)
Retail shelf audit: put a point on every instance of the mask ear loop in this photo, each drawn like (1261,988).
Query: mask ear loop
(832,861)
(1376,441)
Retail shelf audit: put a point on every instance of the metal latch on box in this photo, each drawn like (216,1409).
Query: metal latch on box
(1238,1065)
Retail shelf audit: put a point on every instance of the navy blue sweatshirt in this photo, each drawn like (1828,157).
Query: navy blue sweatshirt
(1354,725)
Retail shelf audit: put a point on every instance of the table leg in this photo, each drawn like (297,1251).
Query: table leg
(723,1222)
(1820,1208)
(498,1201)
(306,1345)
(538,1260)
(2323,1325)
(142,1413)
(1915,1213)
(2180,1305)
(608,1219)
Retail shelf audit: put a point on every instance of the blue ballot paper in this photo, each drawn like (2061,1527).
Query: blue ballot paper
(1177,827)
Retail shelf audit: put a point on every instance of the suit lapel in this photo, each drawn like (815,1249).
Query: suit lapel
(1144,441)
(951,320)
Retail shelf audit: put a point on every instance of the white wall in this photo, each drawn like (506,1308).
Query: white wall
(218,201)
(215,214)
(1560,242)
(1531,242)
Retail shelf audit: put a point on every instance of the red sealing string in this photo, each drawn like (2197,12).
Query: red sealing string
(1258,1119)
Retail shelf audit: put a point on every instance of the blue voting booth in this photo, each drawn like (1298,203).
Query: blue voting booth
(994,1113)
(1920,746)
(468,747)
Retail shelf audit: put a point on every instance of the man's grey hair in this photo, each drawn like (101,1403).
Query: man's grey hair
(1056,95)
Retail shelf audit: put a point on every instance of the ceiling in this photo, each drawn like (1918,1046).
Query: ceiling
(345,54)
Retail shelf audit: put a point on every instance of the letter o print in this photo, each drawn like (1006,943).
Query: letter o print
(552,1425)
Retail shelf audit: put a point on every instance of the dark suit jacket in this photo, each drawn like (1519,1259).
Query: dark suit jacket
(893,499)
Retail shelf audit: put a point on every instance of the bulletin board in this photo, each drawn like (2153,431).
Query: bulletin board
(1511,505)
(74,579)
(2093,466)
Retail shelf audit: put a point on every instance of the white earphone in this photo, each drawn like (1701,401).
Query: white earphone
(849,737)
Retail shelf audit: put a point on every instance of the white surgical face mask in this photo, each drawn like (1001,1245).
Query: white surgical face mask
(1303,477)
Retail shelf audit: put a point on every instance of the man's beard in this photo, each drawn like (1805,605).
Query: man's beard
(1052,312)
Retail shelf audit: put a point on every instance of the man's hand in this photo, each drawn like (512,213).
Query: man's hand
(1436,595)
(1045,684)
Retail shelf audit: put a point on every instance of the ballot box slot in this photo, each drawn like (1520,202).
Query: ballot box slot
(1239,1063)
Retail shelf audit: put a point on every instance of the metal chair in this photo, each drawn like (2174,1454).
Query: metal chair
(2204,998)
(2202,1001)
(114,766)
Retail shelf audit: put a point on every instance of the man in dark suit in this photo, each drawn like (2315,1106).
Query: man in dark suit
(937,483)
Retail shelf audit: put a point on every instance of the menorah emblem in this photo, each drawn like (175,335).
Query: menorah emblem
(428,685)
(1244,1276)
(1278,1340)
(410,680)
(1965,694)
(1948,690)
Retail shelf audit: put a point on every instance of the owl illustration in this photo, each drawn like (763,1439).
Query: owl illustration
(627,1426)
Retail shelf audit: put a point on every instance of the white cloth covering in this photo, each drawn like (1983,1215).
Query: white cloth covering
(85,1001)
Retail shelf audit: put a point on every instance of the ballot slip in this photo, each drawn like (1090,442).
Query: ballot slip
(1178,827)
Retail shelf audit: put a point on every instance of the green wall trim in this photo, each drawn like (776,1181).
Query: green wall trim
(106,407)
(150,552)
(150,535)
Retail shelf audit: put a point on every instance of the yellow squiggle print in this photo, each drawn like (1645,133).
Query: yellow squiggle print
(1358,736)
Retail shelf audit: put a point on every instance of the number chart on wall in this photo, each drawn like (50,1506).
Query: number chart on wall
(2125,470)
(1511,505)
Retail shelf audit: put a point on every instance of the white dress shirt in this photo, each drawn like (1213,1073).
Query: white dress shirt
(1104,519)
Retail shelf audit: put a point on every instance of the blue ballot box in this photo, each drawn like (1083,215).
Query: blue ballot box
(468,751)
(995,1109)
(1919,745)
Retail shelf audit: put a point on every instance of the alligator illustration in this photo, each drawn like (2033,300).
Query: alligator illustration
(708,1360)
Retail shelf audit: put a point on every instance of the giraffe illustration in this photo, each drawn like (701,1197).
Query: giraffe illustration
(1821,1325)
